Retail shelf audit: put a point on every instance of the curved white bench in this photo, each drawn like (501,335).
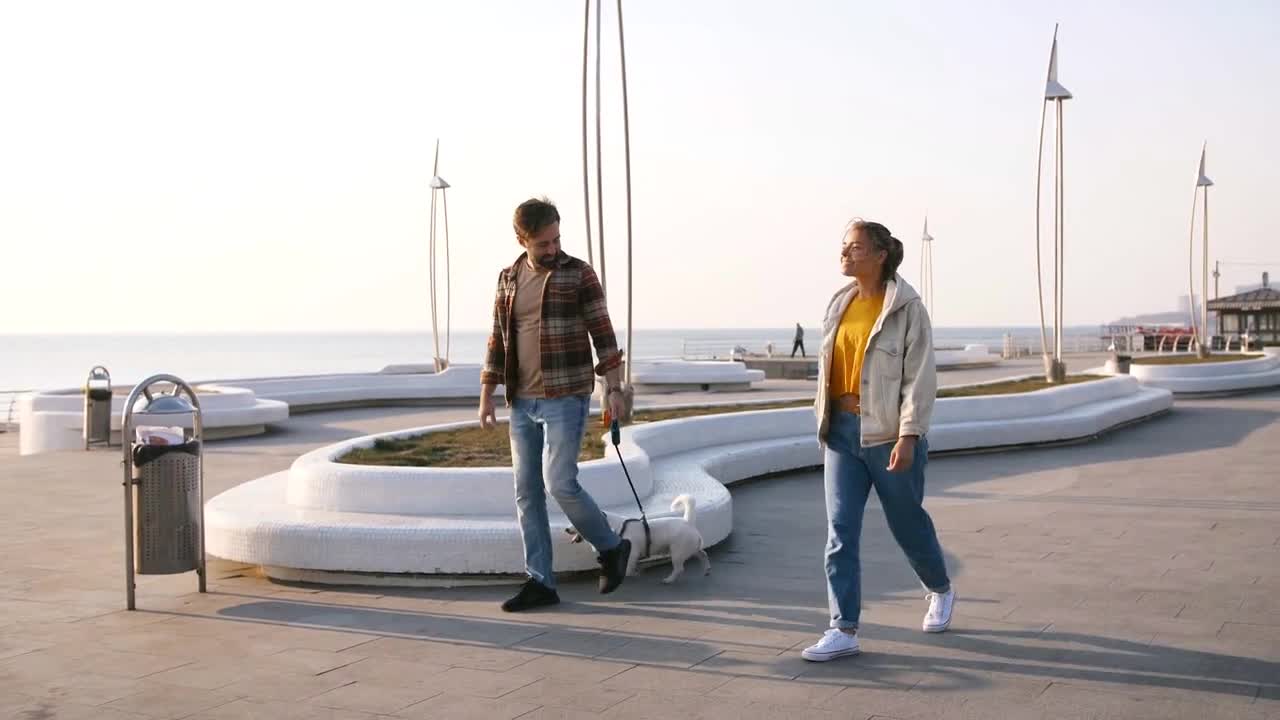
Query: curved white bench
(1054,415)
(1259,373)
(970,356)
(682,375)
(54,420)
(308,393)
(326,521)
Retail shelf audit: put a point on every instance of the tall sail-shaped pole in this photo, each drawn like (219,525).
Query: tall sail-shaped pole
(438,185)
(1204,337)
(1055,369)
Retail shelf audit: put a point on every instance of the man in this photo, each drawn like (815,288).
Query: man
(547,304)
(799,342)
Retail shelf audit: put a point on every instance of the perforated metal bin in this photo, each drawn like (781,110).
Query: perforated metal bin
(163,485)
(166,508)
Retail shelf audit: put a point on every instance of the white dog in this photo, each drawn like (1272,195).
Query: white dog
(674,536)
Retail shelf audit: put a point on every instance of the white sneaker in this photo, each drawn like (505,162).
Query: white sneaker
(938,618)
(835,643)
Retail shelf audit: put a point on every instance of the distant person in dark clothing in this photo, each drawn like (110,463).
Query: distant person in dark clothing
(799,342)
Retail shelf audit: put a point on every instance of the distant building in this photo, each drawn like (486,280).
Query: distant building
(1255,313)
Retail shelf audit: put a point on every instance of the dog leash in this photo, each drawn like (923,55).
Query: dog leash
(615,435)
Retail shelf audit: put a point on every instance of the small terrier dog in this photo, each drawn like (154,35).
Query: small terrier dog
(677,537)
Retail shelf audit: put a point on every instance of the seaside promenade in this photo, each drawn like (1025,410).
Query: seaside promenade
(1137,576)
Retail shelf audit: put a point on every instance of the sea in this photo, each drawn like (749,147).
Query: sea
(41,362)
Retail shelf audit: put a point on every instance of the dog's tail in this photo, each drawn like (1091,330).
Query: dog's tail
(687,504)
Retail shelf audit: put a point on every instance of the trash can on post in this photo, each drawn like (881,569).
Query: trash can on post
(1118,364)
(97,408)
(163,482)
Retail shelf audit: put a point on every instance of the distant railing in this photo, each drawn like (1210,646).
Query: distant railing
(1029,345)
(725,349)
(1013,346)
(1170,342)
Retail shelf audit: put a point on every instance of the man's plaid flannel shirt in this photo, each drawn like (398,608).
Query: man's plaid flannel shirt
(573,305)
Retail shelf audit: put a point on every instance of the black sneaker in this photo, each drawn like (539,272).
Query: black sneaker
(533,594)
(613,566)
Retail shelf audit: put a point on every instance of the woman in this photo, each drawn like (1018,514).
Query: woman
(876,385)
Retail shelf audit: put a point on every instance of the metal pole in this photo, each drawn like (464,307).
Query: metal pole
(127,464)
(431,275)
(626,144)
(928,276)
(586,174)
(604,282)
(1044,337)
(199,428)
(1204,301)
(931,303)
(1057,236)
(448,282)
(1061,237)
(1191,264)
(923,287)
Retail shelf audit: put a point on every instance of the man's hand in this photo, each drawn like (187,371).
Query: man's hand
(903,455)
(617,405)
(488,417)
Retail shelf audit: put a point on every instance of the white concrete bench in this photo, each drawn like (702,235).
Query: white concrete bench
(684,375)
(969,356)
(1212,378)
(54,420)
(327,521)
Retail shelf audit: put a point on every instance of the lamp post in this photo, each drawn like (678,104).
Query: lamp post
(1202,333)
(439,185)
(1055,369)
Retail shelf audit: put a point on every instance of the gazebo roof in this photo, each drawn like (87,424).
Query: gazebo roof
(1265,298)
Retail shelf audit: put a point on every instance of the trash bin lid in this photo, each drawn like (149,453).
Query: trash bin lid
(165,405)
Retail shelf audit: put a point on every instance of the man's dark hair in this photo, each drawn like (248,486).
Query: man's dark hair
(533,216)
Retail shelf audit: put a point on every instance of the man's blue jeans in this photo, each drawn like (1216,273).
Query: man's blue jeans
(546,437)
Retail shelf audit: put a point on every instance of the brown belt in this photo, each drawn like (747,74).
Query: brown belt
(849,403)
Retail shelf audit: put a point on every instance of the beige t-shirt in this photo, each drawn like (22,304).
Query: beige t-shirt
(527,311)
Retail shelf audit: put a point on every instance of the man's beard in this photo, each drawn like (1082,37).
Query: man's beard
(547,261)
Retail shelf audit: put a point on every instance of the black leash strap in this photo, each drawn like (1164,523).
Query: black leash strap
(615,435)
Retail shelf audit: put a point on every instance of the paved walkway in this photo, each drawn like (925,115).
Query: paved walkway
(1135,577)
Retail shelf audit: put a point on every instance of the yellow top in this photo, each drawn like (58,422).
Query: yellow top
(851,343)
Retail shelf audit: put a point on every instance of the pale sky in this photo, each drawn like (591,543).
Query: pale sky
(262,166)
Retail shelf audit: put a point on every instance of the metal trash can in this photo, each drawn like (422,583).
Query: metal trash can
(163,482)
(1119,364)
(97,408)
(166,508)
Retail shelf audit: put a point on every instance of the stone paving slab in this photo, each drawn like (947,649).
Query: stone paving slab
(1134,577)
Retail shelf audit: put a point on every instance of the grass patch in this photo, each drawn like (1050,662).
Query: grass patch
(1191,359)
(1011,387)
(473,447)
